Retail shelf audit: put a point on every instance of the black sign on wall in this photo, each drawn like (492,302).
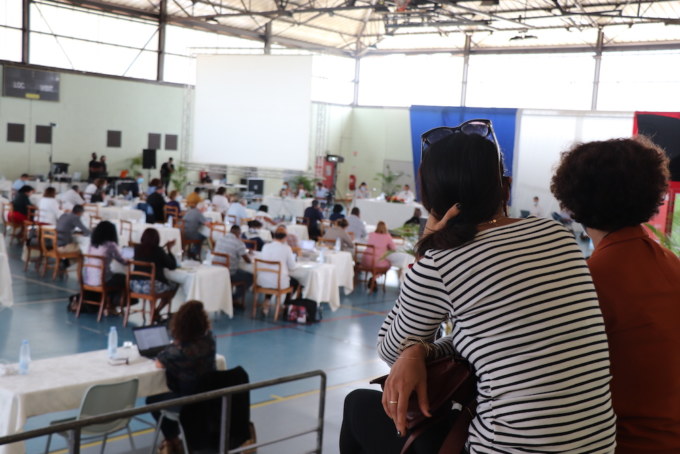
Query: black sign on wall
(30,83)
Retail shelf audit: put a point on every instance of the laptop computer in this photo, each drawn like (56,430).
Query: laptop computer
(307,245)
(151,340)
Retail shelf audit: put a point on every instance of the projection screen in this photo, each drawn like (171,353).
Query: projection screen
(253,111)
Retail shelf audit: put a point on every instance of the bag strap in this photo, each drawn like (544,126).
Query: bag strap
(455,438)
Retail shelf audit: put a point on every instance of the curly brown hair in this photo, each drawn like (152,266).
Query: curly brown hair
(612,184)
(190,322)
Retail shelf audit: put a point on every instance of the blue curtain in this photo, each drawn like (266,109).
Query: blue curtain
(424,118)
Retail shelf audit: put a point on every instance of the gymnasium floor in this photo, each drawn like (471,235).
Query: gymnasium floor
(342,345)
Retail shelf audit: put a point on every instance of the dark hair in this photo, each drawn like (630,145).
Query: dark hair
(25,189)
(254,224)
(264,208)
(50,192)
(279,235)
(77,209)
(104,232)
(342,223)
(235,229)
(197,190)
(24,175)
(149,242)
(75,187)
(337,208)
(315,203)
(612,184)
(154,182)
(221,190)
(381,227)
(460,169)
(190,322)
(355,211)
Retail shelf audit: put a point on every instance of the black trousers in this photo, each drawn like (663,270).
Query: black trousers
(169,428)
(366,428)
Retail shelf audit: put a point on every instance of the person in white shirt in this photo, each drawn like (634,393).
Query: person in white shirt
(48,207)
(406,194)
(362,192)
(94,192)
(357,226)
(285,190)
(301,192)
(221,201)
(321,193)
(536,209)
(71,198)
(262,215)
(238,210)
(277,251)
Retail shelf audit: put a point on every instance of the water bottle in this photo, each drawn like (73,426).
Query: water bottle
(338,245)
(24,357)
(322,257)
(113,342)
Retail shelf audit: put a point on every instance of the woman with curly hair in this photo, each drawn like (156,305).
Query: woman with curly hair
(190,356)
(612,187)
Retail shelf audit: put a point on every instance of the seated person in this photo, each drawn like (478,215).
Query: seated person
(285,190)
(337,213)
(156,200)
(153,184)
(314,215)
(301,192)
(173,201)
(406,194)
(67,224)
(415,219)
(71,198)
(48,208)
(277,251)
(149,250)
(190,357)
(20,182)
(238,210)
(95,191)
(193,221)
(262,215)
(194,198)
(339,231)
(253,233)
(104,243)
(232,245)
(382,241)
(362,192)
(291,238)
(221,201)
(356,225)
(20,205)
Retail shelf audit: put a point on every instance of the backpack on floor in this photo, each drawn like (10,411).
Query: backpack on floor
(302,310)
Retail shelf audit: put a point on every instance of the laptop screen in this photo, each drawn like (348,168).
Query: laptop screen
(307,245)
(149,337)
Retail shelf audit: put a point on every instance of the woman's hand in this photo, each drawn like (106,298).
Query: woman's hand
(408,374)
(433,224)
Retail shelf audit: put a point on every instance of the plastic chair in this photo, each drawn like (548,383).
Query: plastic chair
(98,400)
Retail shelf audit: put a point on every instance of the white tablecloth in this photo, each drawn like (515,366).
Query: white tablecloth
(393,214)
(206,283)
(344,267)
(320,281)
(6,295)
(287,207)
(58,384)
(166,234)
(124,213)
(213,216)
(299,230)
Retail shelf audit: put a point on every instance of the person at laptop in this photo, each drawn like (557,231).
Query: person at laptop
(339,231)
(104,244)
(149,250)
(190,356)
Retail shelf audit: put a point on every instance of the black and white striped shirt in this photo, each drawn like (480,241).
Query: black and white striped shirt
(526,316)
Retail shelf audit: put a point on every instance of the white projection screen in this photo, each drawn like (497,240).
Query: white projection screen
(253,111)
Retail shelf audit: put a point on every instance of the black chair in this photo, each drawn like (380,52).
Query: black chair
(202,421)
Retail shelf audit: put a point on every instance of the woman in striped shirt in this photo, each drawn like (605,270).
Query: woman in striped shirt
(524,311)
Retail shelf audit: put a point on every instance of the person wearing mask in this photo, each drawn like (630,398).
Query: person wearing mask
(186,361)
(48,207)
(525,316)
(285,190)
(167,169)
(194,198)
(193,221)
(232,245)
(150,250)
(67,225)
(277,251)
(356,225)
(406,194)
(104,244)
(238,210)
(20,182)
(20,205)
(71,198)
(221,201)
(362,192)
(156,201)
(637,282)
(339,231)
(314,216)
(337,213)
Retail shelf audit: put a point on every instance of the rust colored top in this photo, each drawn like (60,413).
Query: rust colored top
(638,285)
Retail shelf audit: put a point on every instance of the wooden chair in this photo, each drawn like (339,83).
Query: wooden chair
(300,220)
(217,228)
(152,297)
(169,210)
(266,266)
(187,243)
(250,244)
(91,208)
(92,262)
(94,220)
(29,229)
(330,244)
(50,250)
(125,233)
(17,227)
(33,213)
(232,219)
(360,250)
(221,259)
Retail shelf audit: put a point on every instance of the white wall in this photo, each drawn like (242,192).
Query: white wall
(88,107)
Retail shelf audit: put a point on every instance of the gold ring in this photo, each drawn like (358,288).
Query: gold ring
(392,402)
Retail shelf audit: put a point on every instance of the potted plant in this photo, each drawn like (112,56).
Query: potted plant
(389,182)
(670,242)
(307,183)
(179,178)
